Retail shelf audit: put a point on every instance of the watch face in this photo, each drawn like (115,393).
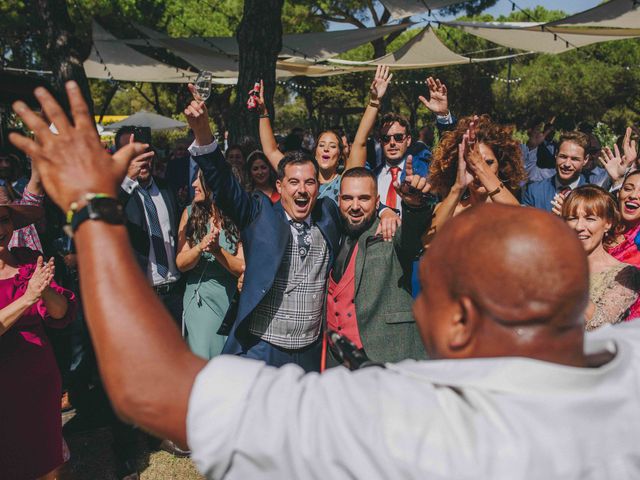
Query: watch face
(107,209)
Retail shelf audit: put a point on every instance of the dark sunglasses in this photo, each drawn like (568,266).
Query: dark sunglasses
(398,137)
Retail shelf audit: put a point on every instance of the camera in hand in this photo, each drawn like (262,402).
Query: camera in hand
(348,354)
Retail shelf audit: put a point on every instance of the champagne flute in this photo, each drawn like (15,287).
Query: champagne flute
(203,85)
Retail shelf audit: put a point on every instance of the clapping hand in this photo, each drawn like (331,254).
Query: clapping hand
(414,189)
(380,83)
(40,280)
(557,203)
(438,101)
(476,161)
(211,241)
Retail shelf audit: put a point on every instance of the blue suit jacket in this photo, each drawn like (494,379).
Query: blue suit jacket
(539,194)
(265,233)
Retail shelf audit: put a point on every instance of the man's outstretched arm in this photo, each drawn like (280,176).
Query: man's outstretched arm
(146,367)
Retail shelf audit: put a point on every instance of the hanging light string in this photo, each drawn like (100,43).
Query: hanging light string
(154,47)
(556,36)
(206,40)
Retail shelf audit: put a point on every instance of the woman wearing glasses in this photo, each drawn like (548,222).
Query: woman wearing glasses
(478,162)
(328,144)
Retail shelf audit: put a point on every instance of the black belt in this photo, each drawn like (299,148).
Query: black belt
(165,288)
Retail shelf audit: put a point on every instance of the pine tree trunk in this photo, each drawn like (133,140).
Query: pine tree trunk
(260,40)
(63,49)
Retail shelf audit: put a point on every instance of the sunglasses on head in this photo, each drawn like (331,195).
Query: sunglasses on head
(398,137)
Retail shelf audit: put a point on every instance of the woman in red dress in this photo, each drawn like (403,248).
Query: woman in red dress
(31,439)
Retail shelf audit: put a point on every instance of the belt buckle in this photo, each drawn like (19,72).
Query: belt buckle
(163,289)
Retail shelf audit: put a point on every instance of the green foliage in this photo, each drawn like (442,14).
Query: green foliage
(605,135)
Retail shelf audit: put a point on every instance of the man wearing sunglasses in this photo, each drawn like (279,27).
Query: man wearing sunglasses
(395,141)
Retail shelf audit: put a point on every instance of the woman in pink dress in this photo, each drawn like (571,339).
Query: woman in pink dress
(30,423)
(626,245)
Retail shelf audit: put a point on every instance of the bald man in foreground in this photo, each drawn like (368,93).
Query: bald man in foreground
(515,393)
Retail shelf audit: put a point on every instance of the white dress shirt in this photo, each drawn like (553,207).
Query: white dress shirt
(573,185)
(130,186)
(509,418)
(384,180)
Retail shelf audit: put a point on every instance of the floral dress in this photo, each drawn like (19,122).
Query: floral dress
(614,293)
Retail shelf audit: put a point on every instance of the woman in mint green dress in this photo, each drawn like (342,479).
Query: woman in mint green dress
(210,254)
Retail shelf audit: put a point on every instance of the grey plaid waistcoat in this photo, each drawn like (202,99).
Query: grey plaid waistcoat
(290,314)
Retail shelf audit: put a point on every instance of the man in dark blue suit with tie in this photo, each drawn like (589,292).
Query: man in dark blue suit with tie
(289,248)
(571,157)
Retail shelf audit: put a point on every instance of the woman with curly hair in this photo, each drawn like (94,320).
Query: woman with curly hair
(477,162)
(210,251)
(613,285)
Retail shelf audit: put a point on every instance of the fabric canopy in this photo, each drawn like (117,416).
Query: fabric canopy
(315,45)
(531,37)
(147,119)
(407,8)
(126,64)
(422,51)
(615,14)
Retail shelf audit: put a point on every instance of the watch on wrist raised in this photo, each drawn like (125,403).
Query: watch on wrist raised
(100,207)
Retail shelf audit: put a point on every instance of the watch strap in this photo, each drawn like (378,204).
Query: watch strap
(76,216)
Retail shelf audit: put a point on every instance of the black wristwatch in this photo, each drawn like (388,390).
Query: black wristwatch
(99,207)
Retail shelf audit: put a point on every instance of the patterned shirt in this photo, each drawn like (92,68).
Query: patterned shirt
(290,314)
(27,236)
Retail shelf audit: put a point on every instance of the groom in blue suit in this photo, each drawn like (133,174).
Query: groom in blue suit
(288,247)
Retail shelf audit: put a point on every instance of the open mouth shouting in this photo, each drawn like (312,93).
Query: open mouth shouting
(356,216)
(302,203)
(630,207)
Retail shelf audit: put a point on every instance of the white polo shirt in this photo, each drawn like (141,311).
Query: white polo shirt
(495,418)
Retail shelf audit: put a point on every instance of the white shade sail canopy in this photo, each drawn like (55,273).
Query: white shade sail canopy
(313,46)
(408,8)
(614,14)
(423,51)
(531,37)
(110,59)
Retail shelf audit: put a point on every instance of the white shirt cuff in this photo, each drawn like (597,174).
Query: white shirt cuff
(128,185)
(197,150)
(445,119)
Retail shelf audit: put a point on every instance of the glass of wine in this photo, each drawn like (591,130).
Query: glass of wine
(203,85)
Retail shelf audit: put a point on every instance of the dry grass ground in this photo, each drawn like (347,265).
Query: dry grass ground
(92,459)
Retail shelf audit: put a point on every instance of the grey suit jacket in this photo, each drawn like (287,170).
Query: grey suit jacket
(383,289)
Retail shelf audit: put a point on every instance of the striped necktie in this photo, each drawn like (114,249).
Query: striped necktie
(157,240)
